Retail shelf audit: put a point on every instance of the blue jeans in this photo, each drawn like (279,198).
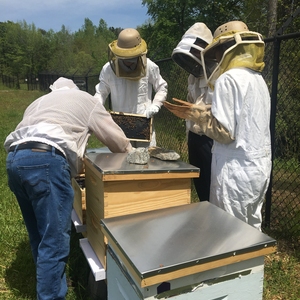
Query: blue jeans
(42,185)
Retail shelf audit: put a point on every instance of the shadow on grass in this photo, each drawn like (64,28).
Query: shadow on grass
(82,284)
(78,269)
(20,276)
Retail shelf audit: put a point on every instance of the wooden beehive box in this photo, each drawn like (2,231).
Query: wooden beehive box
(115,188)
(79,203)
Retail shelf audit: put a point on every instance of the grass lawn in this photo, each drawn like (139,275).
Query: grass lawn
(17,273)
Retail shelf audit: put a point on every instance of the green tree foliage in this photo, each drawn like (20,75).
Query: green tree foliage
(13,44)
(171,18)
(27,50)
(61,60)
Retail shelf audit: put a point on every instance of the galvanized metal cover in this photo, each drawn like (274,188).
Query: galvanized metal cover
(116,163)
(169,239)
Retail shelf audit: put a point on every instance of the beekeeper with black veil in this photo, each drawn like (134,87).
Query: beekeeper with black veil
(238,121)
(187,55)
(129,77)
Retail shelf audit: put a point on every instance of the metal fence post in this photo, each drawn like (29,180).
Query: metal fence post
(272,125)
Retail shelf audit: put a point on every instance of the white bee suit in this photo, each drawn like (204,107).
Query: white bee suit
(241,169)
(132,96)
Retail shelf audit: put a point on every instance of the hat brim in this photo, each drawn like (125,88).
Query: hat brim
(139,50)
(210,50)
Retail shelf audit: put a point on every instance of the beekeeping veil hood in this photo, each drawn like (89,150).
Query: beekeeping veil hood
(236,47)
(127,55)
(63,84)
(187,53)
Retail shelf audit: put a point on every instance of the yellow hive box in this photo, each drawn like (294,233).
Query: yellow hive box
(79,203)
(133,189)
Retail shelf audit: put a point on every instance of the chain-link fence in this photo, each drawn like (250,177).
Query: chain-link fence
(9,81)
(85,83)
(282,212)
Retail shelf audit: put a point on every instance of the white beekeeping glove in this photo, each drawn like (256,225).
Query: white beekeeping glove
(151,110)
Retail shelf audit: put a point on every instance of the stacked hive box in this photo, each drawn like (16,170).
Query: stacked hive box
(115,188)
(195,251)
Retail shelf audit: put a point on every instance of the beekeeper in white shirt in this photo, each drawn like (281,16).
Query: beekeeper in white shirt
(44,151)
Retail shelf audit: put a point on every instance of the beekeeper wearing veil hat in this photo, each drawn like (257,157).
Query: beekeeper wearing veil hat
(238,121)
(129,78)
(187,55)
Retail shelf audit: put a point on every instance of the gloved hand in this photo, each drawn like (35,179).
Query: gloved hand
(194,112)
(151,110)
(132,149)
(202,116)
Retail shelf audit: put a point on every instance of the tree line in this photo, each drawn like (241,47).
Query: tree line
(25,49)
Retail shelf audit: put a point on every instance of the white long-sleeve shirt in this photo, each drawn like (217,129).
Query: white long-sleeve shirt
(65,119)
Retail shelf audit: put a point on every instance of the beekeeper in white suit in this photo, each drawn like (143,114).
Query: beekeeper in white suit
(187,55)
(238,121)
(129,77)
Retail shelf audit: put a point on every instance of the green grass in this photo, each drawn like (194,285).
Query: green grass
(17,272)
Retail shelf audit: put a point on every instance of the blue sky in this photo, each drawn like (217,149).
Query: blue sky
(52,14)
